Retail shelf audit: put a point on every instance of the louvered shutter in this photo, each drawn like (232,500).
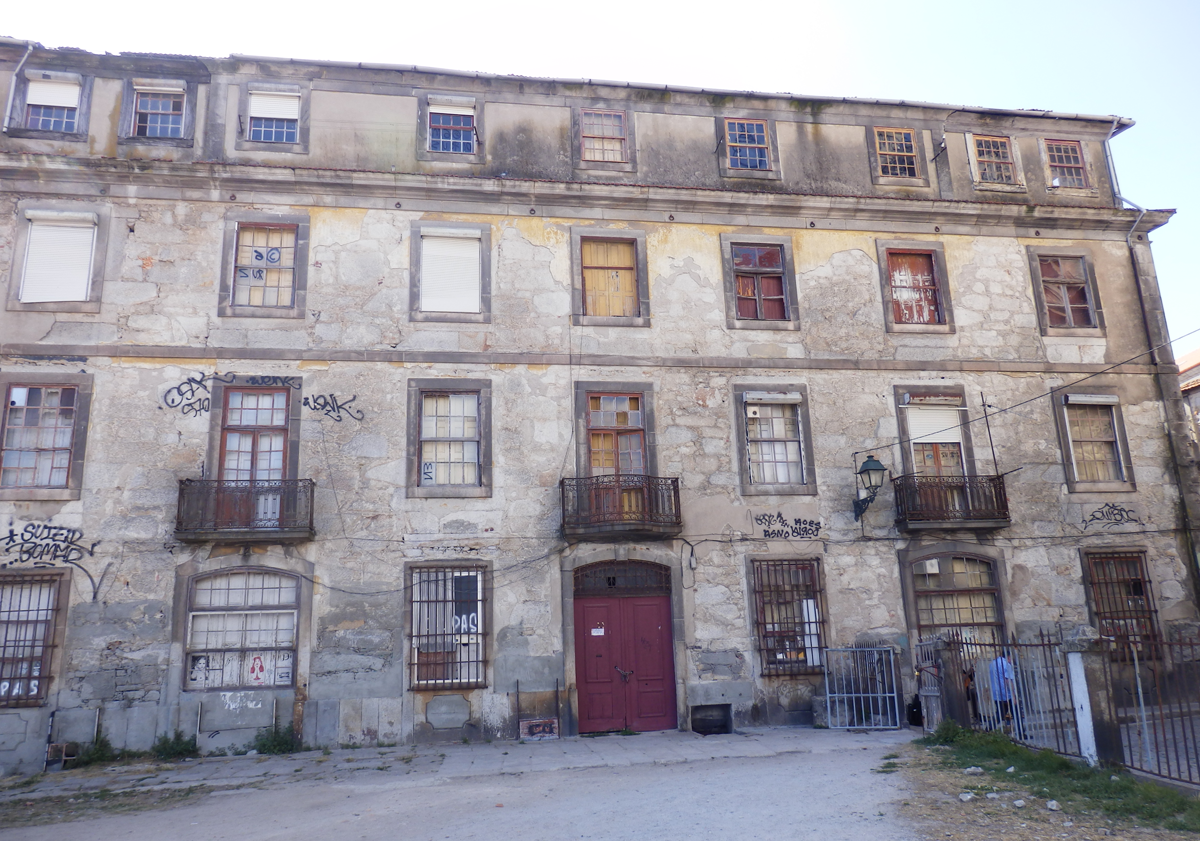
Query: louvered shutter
(450,269)
(934,426)
(58,259)
(57,94)
(280,106)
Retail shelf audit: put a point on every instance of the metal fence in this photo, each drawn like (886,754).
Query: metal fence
(1154,702)
(861,689)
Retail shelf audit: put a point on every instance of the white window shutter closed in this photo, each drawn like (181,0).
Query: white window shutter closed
(450,268)
(934,426)
(58,94)
(58,263)
(281,106)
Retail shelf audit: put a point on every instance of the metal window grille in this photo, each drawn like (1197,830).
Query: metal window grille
(449,627)
(50,118)
(1122,599)
(273,130)
(1066,163)
(159,115)
(609,278)
(747,144)
(264,266)
(1094,451)
(29,606)
(242,631)
(789,620)
(39,428)
(914,288)
(897,152)
(452,133)
(957,594)
(1064,286)
(450,439)
(773,444)
(622,578)
(603,136)
(758,278)
(994,160)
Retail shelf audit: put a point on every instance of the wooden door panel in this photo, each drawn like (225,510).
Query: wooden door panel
(650,652)
(597,650)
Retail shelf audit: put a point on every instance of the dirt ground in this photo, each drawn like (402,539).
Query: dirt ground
(935,810)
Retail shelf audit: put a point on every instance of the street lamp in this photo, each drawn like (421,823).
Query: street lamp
(870,477)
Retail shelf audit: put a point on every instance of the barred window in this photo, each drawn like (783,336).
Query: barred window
(957,594)
(39,430)
(449,627)
(603,136)
(1066,163)
(1121,597)
(609,277)
(789,621)
(993,157)
(450,439)
(746,141)
(242,631)
(773,444)
(264,266)
(158,114)
(897,152)
(29,617)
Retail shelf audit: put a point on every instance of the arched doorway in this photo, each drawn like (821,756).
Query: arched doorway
(624,653)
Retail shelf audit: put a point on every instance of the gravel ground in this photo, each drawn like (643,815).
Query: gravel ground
(934,807)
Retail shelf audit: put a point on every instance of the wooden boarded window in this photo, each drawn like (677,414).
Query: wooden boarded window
(788,619)
(1121,596)
(759,279)
(609,278)
(1064,286)
(264,272)
(450,438)
(603,136)
(39,432)
(1095,452)
(58,257)
(897,152)
(746,141)
(1066,163)
(914,288)
(959,595)
(994,160)
(450,272)
(29,617)
(449,627)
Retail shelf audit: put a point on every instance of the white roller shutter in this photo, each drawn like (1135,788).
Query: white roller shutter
(450,268)
(57,94)
(280,106)
(463,105)
(58,260)
(928,425)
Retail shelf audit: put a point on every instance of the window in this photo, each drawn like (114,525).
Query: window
(603,136)
(449,627)
(450,272)
(1065,159)
(264,265)
(242,630)
(51,105)
(1064,289)
(995,163)
(274,117)
(449,438)
(158,114)
(615,434)
(915,293)
(1121,598)
(788,619)
(452,132)
(958,595)
(42,433)
(449,128)
(897,150)
(747,144)
(774,452)
(58,256)
(263,270)
(610,285)
(31,613)
(1095,449)
(760,277)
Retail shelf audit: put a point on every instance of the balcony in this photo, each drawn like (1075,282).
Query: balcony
(621,507)
(278,511)
(951,502)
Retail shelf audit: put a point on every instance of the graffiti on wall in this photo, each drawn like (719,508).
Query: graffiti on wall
(332,406)
(42,545)
(193,396)
(1110,515)
(778,527)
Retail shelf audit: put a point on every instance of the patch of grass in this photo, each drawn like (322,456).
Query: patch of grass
(891,756)
(275,740)
(1072,785)
(888,767)
(627,732)
(175,747)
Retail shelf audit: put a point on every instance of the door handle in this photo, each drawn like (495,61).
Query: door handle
(624,674)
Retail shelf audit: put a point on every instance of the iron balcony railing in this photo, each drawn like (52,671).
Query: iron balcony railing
(621,506)
(951,501)
(279,510)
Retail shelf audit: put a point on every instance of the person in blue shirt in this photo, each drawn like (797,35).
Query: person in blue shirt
(1004,693)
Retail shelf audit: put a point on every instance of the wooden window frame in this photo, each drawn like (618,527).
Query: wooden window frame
(1084,396)
(238,268)
(880,159)
(1017,185)
(579,316)
(937,253)
(628,164)
(587,388)
(250,382)
(1050,165)
(428,103)
(421,670)
(770,135)
(584,113)
(791,304)
(792,394)
(767,576)
(1098,328)
(417,389)
(187,86)
(908,397)
(49,662)
(235,220)
(82,383)
(955,628)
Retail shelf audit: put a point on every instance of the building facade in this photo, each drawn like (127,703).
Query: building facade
(402,404)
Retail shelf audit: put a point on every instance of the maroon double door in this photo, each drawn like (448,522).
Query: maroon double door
(624,663)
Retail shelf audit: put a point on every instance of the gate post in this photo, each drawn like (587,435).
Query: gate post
(1091,696)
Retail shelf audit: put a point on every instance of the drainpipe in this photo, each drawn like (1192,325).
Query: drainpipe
(12,87)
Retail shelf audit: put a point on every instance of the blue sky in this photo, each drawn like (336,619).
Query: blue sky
(1102,57)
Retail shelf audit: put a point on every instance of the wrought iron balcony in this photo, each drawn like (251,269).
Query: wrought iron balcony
(621,507)
(273,511)
(951,502)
